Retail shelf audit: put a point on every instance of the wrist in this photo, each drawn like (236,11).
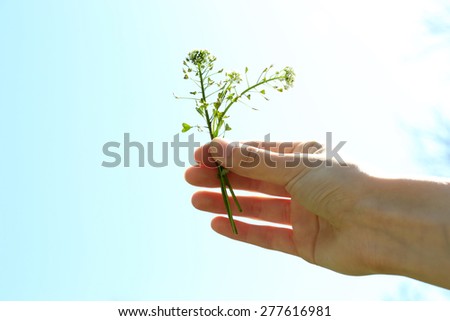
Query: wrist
(412,221)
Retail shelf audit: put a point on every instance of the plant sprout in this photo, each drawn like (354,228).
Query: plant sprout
(216,92)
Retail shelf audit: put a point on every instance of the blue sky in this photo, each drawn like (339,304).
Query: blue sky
(77,74)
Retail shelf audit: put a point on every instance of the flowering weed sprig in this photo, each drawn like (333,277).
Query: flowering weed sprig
(213,99)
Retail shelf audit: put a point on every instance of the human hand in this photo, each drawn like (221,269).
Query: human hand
(317,203)
(334,215)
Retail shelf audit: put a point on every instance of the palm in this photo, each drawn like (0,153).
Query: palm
(319,242)
(305,234)
(320,224)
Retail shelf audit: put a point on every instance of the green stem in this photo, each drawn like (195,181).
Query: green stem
(222,176)
(265,81)
(208,120)
(227,182)
(226,201)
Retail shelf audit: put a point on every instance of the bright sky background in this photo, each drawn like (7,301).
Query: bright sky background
(77,74)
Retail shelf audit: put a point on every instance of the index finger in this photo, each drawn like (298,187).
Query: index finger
(204,158)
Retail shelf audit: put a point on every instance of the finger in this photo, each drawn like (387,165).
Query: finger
(286,147)
(260,164)
(207,177)
(202,155)
(275,210)
(203,158)
(269,237)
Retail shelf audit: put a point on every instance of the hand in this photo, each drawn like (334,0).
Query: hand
(322,224)
(335,215)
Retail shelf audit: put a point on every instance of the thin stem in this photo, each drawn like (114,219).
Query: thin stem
(202,85)
(195,82)
(247,90)
(226,201)
(227,182)
(214,92)
(222,175)
(208,120)
(189,98)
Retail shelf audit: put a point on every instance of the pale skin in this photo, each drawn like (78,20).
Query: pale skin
(335,216)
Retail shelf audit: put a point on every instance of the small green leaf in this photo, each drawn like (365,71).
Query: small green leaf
(246,69)
(193,93)
(221,70)
(249,96)
(199,110)
(227,127)
(280,90)
(186,127)
(263,91)
(217,113)
(186,76)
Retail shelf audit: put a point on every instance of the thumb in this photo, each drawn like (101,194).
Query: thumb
(252,162)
